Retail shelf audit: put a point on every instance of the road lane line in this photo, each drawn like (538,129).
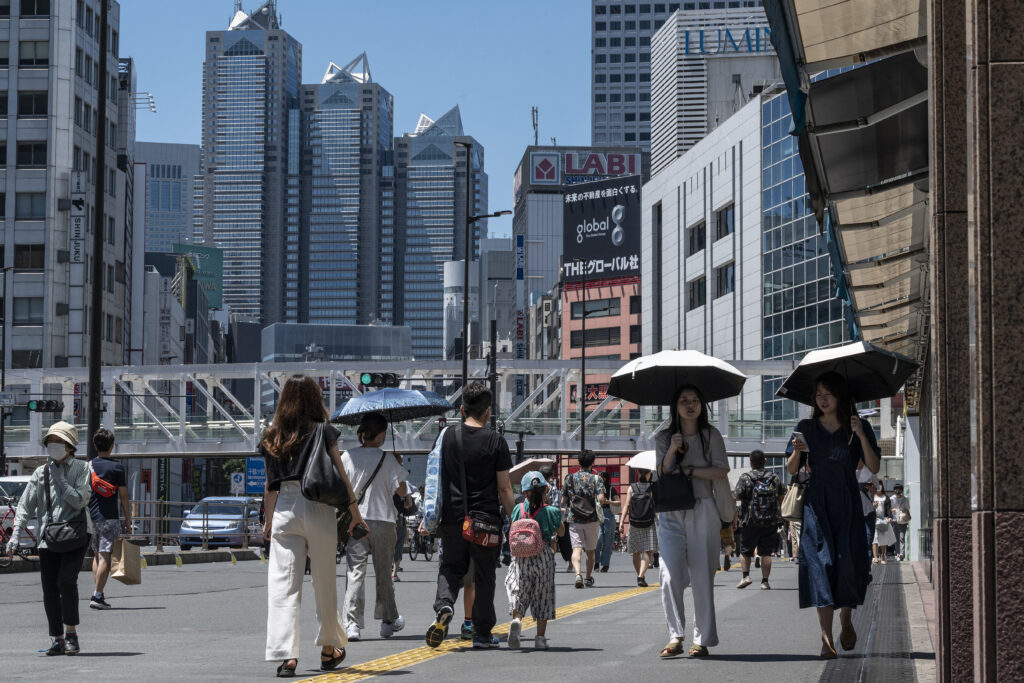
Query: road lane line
(403,660)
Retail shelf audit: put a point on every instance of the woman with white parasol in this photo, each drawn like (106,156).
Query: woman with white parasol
(642,541)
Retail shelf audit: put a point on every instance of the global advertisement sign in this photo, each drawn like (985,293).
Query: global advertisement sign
(209,265)
(601,230)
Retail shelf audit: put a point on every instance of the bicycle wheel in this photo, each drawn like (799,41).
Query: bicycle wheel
(414,548)
(5,560)
(428,550)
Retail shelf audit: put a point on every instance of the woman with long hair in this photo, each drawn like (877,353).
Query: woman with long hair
(297,527)
(884,535)
(641,543)
(689,539)
(833,570)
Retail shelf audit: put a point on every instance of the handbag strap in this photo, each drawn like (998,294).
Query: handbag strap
(46,487)
(362,494)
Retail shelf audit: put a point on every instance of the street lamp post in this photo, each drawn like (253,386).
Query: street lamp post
(583,357)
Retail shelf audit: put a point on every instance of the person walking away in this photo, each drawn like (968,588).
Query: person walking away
(564,545)
(474,477)
(377,477)
(868,484)
(760,492)
(606,537)
(298,527)
(530,581)
(108,483)
(582,496)
(642,541)
(884,536)
(728,538)
(405,506)
(900,519)
(56,496)
(689,539)
(833,569)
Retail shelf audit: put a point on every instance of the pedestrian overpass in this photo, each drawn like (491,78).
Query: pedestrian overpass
(220,410)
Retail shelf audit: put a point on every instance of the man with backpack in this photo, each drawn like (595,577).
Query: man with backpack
(108,482)
(760,493)
(582,494)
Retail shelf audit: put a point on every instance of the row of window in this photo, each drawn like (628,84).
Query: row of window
(27,8)
(603,308)
(28,154)
(615,78)
(603,336)
(660,7)
(89,21)
(697,289)
(696,235)
(31,104)
(623,97)
(628,41)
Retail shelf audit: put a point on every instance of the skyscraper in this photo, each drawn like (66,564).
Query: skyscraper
(171,170)
(251,79)
(430,219)
(621,62)
(347,217)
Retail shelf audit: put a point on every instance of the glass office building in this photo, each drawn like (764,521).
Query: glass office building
(801,310)
(170,176)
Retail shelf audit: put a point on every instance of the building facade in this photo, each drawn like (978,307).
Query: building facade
(251,80)
(621,63)
(431,168)
(170,173)
(290,343)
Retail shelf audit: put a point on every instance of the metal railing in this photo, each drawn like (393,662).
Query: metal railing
(158,523)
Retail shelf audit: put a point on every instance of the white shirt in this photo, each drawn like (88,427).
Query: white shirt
(864,476)
(359,464)
(899,503)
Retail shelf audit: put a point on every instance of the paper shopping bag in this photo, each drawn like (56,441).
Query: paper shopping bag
(125,563)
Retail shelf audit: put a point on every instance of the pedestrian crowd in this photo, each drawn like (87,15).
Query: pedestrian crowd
(680,517)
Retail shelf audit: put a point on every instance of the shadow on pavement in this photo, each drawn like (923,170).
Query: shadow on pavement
(762,657)
(132,609)
(109,654)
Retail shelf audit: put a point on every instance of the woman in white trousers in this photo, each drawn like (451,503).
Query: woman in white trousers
(689,540)
(298,527)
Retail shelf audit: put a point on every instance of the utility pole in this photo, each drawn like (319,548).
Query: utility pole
(494,373)
(99,225)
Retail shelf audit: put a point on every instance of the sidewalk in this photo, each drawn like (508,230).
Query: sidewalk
(154,558)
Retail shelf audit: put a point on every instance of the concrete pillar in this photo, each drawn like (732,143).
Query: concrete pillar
(995,245)
(951,574)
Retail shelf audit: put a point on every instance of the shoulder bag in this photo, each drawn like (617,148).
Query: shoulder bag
(673,490)
(62,537)
(432,497)
(345,516)
(321,482)
(793,503)
(479,528)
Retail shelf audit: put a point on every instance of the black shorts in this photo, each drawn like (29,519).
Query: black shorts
(764,538)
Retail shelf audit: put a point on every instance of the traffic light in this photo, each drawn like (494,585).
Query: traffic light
(378,379)
(45,406)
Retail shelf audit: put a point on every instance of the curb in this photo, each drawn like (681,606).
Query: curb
(153,559)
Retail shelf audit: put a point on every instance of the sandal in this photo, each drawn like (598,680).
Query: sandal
(673,649)
(699,651)
(331,663)
(848,637)
(285,671)
(828,651)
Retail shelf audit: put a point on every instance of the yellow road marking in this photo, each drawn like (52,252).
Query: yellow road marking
(403,660)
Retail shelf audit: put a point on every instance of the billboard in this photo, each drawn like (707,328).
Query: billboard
(209,265)
(601,230)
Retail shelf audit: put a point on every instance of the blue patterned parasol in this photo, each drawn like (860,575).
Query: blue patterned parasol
(397,405)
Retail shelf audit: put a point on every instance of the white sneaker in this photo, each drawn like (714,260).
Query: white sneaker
(387,630)
(744,582)
(540,642)
(352,631)
(513,634)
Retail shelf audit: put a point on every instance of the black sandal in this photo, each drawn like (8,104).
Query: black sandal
(332,663)
(285,671)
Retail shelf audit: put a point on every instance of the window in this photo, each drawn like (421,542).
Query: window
(635,334)
(35,8)
(615,78)
(615,9)
(696,293)
(5,8)
(3,103)
(630,137)
(110,279)
(31,154)
(629,57)
(614,97)
(724,221)
(32,104)
(645,26)
(600,26)
(29,256)
(599,97)
(80,14)
(114,46)
(630,25)
(600,59)
(614,42)
(600,9)
(599,42)
(109,336)
(630,9)
(696,238)
(645,116)
(615,25)
(88,20)
(88,69)
(5,50)
(118,330)
(78,111)
(599,78)
(629,116)
(28,310)
(34,53)
(615,58)
(645,78)
(725,279)
(602,336)
(630,78)
(597,308)
(634,300)
(630,42)
(30,205)
(3,212)
(645,9)
(110,230)
(27,358)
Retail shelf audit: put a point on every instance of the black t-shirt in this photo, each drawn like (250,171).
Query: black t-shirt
(485,453)
(101,508)
(291,466)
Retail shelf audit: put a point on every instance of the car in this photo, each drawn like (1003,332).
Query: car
(223,520)
(11,489)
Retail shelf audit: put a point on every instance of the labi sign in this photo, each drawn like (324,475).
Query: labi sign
(727,40)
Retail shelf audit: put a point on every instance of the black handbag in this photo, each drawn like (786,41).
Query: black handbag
(321,482)
(62,537)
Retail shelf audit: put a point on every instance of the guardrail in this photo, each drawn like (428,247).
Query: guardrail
(153,523)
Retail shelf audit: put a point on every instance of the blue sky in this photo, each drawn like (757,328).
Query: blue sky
(494,59)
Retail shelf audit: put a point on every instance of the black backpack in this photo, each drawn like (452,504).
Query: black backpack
(764,501)
(641,506)
(582,504)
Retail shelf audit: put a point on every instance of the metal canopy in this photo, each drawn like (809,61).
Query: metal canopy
(834,33)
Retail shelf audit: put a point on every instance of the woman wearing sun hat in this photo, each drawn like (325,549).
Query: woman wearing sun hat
(66,480)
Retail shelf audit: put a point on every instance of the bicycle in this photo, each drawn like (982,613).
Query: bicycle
(6,528)
(420,544)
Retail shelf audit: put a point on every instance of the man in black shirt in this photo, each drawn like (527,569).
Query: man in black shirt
(485,459)
(108,482)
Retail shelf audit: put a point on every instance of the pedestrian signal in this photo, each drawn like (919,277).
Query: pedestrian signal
(378,379)
(46,406)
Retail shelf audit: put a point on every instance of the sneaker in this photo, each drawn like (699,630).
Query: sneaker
(389,629)
(395,578)
(579,581)
(726,564)
(744,582)
(757,561)
(764,585)
(56,648)
(352,631)
(437,631)
(540,642)
(467,631)
(485,642)
(513,634)
(99,603)
(604,569)
(589,582)
(641,582)
(71,644)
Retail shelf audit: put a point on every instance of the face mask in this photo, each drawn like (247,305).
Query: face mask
(56,451)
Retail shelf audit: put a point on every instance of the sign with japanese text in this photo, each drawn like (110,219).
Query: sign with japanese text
(77,230)
(601,230)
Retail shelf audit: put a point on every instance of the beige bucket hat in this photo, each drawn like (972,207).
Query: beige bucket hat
(65,431)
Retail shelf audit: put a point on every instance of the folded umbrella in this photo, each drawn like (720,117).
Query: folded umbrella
(871,372)
(644,460)
(653,380)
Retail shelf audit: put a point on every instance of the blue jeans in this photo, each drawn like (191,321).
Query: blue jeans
(606,539)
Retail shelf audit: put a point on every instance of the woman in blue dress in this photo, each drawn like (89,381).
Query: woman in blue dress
(834,569)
